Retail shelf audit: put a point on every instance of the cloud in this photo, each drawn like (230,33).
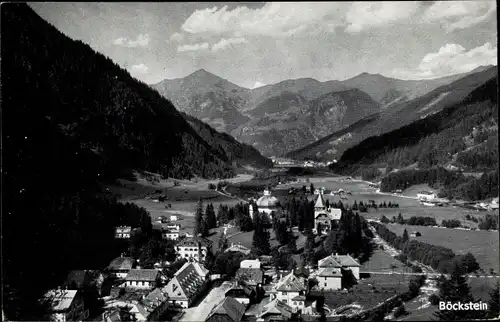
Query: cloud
(178,37)
(459,14)
(451,59)
(141,41)
(285,19)
(273,19)
(376,14)
(194,47)
(226,43)
(139,69)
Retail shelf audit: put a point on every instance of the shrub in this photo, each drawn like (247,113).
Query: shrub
(434,299)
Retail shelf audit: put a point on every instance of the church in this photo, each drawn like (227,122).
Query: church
(266,204)
(323,216)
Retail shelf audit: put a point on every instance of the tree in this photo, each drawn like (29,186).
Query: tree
(260,242)
(455,289)
(494,302)
(223,243)
(211,218)
(199,224)
(308,255)
(405,236)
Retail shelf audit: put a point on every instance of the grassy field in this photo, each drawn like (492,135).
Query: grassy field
(482,244)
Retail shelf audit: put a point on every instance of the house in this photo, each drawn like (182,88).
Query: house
(272,310)
(188,282)
(142,278)
(174,217)
(123,232)
(494,203)
(238,248)
(120,266)
(323,216)
(267,204)
(229,310)
(242,293)
(291,290)
(415,234)
(193,248)
(330,269)
(148,307)
(250,272)
(65,305)
(426,196)
(170,234)
(173,226)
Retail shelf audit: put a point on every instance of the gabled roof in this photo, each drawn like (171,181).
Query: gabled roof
(290,283)
(148,275)
(60,300)
(229,307)
(329,262)
(238,248)
(120,263)
(200,269)
(320,203)
(345,260)
(194,241)
(330,272)
(189,279)
(276,307)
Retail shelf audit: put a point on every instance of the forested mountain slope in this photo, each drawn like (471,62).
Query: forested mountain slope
(76,119)
(333,146)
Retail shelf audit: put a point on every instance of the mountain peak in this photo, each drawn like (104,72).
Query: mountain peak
(202,72)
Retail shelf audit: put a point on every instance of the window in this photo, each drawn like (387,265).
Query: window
(185,255)
(325,285)
(294,303)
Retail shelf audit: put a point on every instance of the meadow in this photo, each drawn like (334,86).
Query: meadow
(482,244)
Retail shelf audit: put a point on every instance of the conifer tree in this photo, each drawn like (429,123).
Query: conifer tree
(405,236)
(198,224)
(494,302)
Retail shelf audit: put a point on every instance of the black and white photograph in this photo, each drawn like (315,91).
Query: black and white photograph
(249,161)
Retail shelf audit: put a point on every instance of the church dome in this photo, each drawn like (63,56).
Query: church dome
(267,202)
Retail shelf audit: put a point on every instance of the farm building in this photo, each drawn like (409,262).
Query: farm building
(415,234)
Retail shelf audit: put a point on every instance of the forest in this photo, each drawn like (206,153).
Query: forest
(433,140)
(453,185)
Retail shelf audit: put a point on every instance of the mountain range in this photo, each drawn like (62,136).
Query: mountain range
(333,145)
(280,118)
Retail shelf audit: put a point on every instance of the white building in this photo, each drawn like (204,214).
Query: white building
(291,290)
(330,271)
(323,216)
(250,263)
(426,196)
(65,305)
(266,204)
(186,284)
(170,234)
(193,248)
(142,278)
(123,232)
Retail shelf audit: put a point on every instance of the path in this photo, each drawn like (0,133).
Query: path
(427,274)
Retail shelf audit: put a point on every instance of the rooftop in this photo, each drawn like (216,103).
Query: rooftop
(121,263)
(238,248)
(60,300)
(250,275)
(229,307)
(330,272)
(149,275)
(290,283)
(194,242)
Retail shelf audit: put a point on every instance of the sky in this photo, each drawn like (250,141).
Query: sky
(257,43)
